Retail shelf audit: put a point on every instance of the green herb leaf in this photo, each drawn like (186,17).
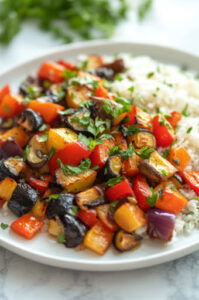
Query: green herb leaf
(70,170)
(4,226)
(26,152)
(113,206)
(189,129)
(165,153)
(42,128)
(130,130)
(153,198)
(114,181)
(51,152)
(151,74)
(68,74)
(53,196)
(73,210)
(144,8)
(68,111)
(185,111)
(43,137)
(61,239)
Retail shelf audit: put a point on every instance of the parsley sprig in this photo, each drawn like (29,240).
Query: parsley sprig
(70,170)
(153,198)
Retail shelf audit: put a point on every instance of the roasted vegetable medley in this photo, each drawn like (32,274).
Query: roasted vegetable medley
(86,162)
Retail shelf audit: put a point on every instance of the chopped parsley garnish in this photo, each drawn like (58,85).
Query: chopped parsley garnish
(51,152)
(190,213)
(61,239)
(114,181)
(73,210)
(53,196)
(68,111)
(144,152)
(185,111)
(68,74)
(130,130)
(165,153)
(4,226)
(43,137)
(151,74)
(164,173)
(189,129)
(153,198)
(42,128)
(113,206)
(26,152)
(70,170)
(196,198)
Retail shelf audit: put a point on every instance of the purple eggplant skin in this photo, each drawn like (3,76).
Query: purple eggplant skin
(30,120)
(23,199)
(74,231)
(10,148)
(160,224)
(108,71)
(60,206)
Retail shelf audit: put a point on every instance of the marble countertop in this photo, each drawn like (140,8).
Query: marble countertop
(173,23)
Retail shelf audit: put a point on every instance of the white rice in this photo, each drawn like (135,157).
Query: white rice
(167,87)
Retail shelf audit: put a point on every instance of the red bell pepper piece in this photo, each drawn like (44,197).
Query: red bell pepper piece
(10,106)
(48,110)
(163,131)
(71,154)
(119,191)
(131,116)
(192,179)
(67,65)
(120,140)
(102,92)
(27,226)
(51,71)
(4,91)
(40,184)
(1,202)
(174,119)
(88,217)
(142,191)
(99,155)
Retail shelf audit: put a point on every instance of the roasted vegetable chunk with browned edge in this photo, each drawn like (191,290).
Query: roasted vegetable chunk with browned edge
(74,231)
(30,120)
(23,199)
(60,205)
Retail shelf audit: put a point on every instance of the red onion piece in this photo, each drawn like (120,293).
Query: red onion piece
(10,148)
(160,224)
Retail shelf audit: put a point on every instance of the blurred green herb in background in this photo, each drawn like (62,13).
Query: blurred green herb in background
(66,18)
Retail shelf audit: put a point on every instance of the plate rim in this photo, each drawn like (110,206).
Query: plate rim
(85,264)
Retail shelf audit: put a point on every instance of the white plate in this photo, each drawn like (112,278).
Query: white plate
(44,250)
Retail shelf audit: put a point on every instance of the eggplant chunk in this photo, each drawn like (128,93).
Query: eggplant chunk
(71,121)
(144,139)
(10,148)
(108,71)
(30,120)
(124,241)
(74,231)
(112,167)
(76,183)
(156,168)
(11,167)
(98,107)
(177,180)
(30,88)
(90,198)
(37,153)
(60,206)
(23,199)
(7,123)
(76,95)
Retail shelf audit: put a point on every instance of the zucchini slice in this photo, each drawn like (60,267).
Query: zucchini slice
(124,241)
(76,183)
(90,198)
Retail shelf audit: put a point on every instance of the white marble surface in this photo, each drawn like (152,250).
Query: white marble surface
(172,23)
